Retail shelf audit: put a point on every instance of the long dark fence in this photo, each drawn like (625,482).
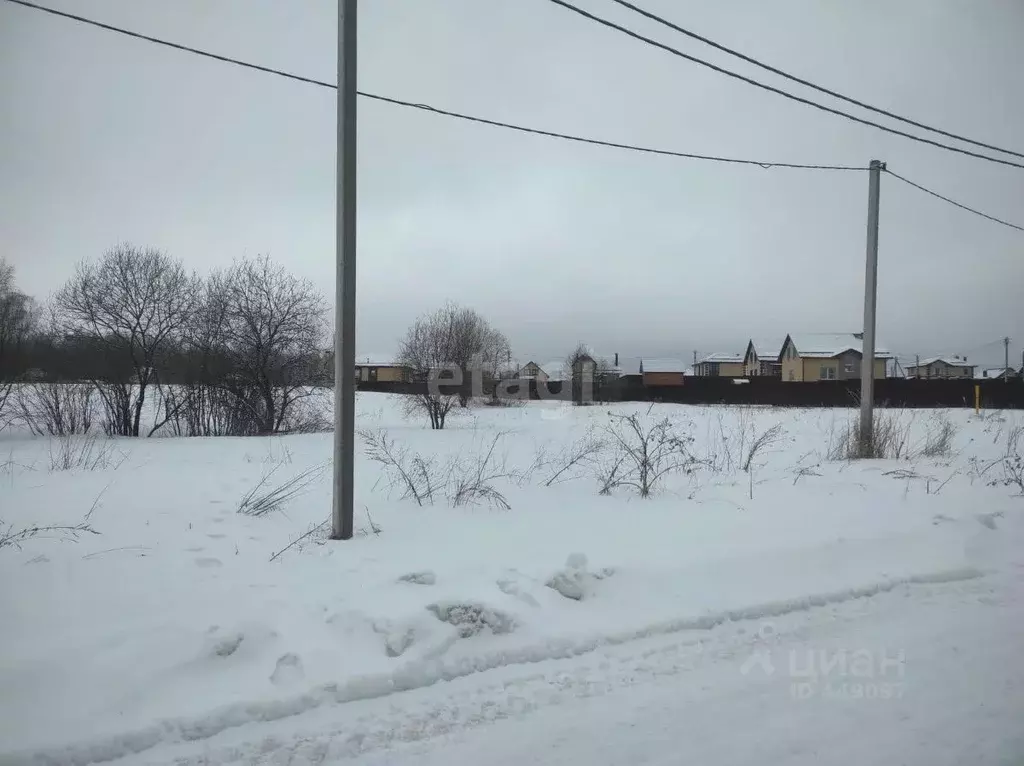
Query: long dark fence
(889,392)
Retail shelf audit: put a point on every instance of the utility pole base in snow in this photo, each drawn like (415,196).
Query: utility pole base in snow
(345,292)
(867,362)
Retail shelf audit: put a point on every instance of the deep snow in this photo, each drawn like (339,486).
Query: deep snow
(172,625)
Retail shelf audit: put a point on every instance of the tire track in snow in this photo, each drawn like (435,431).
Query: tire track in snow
(422,674)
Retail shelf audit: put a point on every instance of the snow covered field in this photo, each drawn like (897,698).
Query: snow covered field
(170,636)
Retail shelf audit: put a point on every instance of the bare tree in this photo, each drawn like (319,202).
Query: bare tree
(444,347)
(17,321)
(271,327)
(131,303)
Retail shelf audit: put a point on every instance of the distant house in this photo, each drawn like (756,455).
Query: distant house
(941,367)
(370,370)
(999,373)
(532,371)
(763,358)
(662,372)
(595,367)
(720,365)
(827,357)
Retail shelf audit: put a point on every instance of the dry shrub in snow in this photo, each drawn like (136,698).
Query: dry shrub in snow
(436,406)
(13,538)
(761,442)
(1013,461)
(580,453)
(939,441)
(264,498)
(466,480)
(308,415)
(419,477)
(642,453)
(891,438)
(472,479)
(86,452)
(735,446)
(57,409)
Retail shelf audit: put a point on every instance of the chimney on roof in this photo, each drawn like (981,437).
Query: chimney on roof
(616,358)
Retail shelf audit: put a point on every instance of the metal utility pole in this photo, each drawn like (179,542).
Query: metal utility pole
(1006,359)
(345,290)
(867,367)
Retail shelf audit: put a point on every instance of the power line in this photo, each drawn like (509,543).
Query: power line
(954,202)
(427,107)
(773,89)
(612,144)
(498,123)
(808,83)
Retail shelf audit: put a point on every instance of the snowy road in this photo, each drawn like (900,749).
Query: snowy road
(924,674)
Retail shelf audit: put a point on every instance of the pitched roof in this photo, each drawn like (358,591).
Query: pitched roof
(554,370)
(723,357)
(664,365)
(376,360)
(952,361)
(828,345)
(996,372)
(767,348)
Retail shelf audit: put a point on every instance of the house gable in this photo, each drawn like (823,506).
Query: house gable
(751,356)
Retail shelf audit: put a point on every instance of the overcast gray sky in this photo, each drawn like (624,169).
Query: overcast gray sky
(104,138)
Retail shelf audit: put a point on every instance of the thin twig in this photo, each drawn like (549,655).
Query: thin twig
(298,540)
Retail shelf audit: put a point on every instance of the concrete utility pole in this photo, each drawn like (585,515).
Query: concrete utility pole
(345,291)
(867,367)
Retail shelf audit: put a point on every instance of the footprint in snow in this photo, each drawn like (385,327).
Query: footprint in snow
(988,519)
(208,563)
(216,535)
(288,670)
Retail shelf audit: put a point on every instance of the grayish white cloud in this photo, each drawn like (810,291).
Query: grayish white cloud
(104,139)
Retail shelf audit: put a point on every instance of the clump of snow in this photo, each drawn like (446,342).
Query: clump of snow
(396,638)
(227,645)
(472,618)
(513,588)
(419,578)
(288,670)
(575,581)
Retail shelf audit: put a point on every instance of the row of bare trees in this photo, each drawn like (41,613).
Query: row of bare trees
(234,353)
(18,317)
(246,343)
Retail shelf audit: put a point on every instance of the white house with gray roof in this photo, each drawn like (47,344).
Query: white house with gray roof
(952,366)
